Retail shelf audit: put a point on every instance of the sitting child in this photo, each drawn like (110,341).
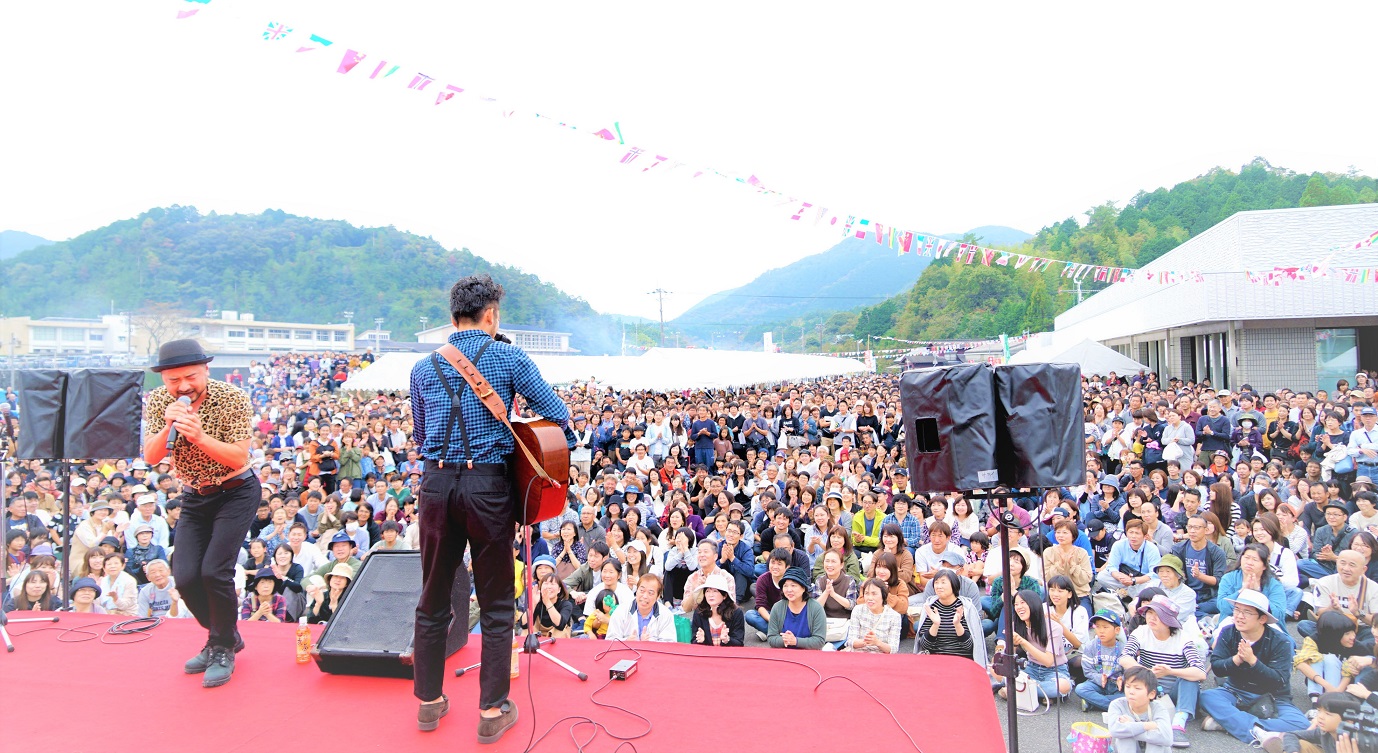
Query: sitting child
(1100,662)
(1140,722)
(596,624)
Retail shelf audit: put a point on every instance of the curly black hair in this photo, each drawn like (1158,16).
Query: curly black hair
(471,295)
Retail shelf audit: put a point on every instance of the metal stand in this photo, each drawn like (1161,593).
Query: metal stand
(1006,664)
(5,634)
(532,643)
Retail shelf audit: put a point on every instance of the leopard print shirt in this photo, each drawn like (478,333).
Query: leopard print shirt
(225,415)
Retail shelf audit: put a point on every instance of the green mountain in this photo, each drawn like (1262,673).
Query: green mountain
(851,273)
(279,267)
(15,242)
(992,235)
(953,300)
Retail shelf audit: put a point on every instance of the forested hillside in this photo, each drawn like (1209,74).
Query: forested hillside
(277,266)
(952,300)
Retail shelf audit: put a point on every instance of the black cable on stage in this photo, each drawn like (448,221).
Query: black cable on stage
(579,721)
(138,629)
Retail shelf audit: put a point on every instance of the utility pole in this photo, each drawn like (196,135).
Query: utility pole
(660,296)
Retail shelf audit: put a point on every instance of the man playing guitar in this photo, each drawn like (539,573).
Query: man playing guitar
(466,499)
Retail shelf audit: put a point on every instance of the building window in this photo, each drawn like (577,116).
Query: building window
(341,336)
(256,333)
(73,335)
(301,334)
(235,333)
(279,334)
(44,333)
(1337,357)
(322,335)
(96,337)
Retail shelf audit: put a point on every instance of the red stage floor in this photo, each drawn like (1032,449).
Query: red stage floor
(741,697)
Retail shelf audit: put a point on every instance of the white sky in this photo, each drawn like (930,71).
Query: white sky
(935,118)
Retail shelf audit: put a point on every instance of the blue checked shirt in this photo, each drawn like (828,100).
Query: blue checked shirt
(508,369)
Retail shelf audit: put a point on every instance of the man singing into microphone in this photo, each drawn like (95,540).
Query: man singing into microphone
(466,499)
(205,423)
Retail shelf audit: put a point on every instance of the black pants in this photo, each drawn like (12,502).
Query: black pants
(461,505)
(209,535)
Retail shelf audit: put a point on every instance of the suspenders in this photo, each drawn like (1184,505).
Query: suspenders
(455,414)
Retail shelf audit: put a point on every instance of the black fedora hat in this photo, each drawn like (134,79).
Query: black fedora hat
(180,353)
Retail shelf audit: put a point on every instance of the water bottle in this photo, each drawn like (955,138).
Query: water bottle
(303,642)
(516,657)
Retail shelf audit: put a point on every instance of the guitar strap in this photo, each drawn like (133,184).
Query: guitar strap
(490,399)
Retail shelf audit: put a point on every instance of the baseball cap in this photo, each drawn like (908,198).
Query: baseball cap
(1095,524)
(1107,616)
(1368,410)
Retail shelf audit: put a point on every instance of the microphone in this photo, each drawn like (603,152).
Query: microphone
(172,434)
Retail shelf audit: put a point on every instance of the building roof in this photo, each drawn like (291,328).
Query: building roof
(447,327)
(1254,241)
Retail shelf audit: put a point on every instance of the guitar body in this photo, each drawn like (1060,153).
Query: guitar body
(547,443)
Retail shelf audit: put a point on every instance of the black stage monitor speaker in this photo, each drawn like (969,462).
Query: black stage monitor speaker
(371,633)
(950,432)
(1041,430)
(42,395)
(80,413)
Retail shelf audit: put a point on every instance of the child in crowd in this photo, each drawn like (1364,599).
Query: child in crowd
(1324,732)
(1100,662)
(596,624)
(1140,722)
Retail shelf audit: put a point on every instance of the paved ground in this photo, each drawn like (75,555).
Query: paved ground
(1041,734)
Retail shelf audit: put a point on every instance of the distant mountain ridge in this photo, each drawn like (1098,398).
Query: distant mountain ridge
(993,235)
(280,267)
(853,273)
(16,242)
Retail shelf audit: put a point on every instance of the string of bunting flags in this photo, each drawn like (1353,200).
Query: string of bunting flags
(901,240)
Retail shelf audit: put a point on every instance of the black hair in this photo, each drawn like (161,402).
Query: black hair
(1337,703)
(1330,628)
(601,547)
(1035,629)
(471,295)
(779,553)
(1142,675)
(952,578)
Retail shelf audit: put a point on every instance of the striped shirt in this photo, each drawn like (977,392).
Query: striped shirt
(508,369)
(947,642)
(1177,652)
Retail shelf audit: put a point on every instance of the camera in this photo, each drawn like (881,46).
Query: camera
(1362,727)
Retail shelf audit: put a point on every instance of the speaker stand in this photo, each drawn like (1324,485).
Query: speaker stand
(5,634)
(1006,664)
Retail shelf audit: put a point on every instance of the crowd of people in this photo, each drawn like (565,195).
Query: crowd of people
(1218,535)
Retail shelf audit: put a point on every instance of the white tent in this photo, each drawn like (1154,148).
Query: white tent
(661,369)
(1093,358)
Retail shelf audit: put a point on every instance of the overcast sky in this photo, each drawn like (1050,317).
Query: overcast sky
(935,118)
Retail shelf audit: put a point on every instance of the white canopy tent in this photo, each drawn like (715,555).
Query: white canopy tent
(1093,358)
(660,369)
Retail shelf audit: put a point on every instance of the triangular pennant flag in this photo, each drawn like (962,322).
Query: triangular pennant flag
(314,43)
(987,256)
(1020,260)
(420,81)
(1003,259)
(880,234)
(449,91)
(380,68)
(631,155)
(659,159)
(906,242)
(800,211)
(275,32)
(351,59)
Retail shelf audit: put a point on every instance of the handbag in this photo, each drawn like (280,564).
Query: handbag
(795,442)
(1089,737)
(1026,694)
(1345,464)
(837,629)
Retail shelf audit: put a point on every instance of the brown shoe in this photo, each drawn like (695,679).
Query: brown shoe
(490,730)
(428,716)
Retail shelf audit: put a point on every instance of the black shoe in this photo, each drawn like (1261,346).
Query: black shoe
(220,669)
(197,664)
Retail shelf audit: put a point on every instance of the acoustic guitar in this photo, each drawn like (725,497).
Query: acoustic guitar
(540,467)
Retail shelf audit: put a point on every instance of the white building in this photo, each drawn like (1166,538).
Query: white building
(1302,334)
(25,336)
(533,341)
(237,332)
